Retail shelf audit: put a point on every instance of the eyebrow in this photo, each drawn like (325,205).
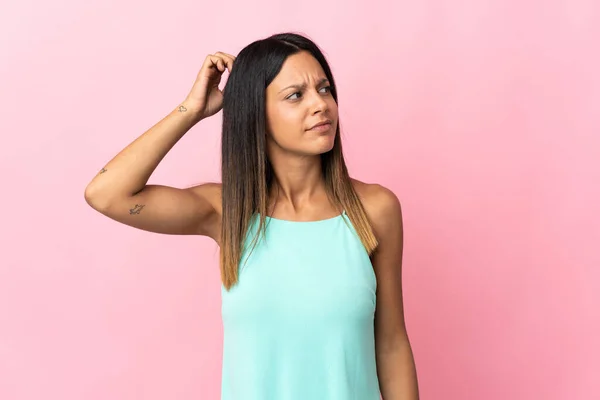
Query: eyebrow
(303,86)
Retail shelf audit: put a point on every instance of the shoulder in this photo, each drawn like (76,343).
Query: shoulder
(382,206)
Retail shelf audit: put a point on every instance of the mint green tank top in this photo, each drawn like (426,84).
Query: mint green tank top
(298,325)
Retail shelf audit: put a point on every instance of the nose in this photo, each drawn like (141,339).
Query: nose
(317,102)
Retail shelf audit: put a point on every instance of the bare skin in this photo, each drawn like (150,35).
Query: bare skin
(120,190)
(297,99)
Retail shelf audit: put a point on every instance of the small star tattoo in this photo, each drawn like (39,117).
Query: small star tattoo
(136,209)
(182,109)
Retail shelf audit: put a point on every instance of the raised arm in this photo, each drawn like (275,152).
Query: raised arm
(120,189)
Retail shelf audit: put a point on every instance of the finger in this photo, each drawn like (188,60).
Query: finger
(221,64)
(229,63)
(207,64)
(217,63)
(225,55)
(227,58)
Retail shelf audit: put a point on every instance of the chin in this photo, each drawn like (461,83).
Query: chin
(326,145)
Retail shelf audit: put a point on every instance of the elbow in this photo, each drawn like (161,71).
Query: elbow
(95,199)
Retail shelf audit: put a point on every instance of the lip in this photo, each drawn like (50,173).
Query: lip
(324,122)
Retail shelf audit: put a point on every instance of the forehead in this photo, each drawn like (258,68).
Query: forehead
(298,68)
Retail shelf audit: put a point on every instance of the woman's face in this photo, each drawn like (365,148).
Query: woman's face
(299,98)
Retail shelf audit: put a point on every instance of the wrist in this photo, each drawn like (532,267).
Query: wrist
(190,111)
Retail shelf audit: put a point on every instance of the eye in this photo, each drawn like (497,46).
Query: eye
(327,89)
(291,97)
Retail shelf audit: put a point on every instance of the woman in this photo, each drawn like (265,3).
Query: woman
(310,258)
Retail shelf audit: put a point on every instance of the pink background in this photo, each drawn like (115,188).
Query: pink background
(483,117)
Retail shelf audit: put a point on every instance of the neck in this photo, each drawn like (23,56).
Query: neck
(298,182)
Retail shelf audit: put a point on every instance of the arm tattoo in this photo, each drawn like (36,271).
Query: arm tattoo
(102,171)
(182,109)
(136,209)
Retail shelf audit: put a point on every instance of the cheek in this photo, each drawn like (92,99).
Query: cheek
(292,116)
(285,121)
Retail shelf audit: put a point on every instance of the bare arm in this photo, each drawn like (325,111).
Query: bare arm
(127,173)
(395,361)
(120,189)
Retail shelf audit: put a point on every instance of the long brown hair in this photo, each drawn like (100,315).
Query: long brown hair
(247,174)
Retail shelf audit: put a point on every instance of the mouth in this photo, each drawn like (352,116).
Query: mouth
(321,126)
